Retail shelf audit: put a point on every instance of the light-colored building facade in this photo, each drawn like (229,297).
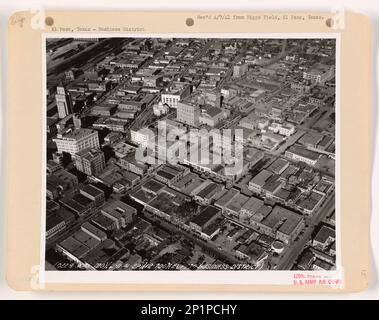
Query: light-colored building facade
(188,114)
(64,102)
(90,161)
(77,140)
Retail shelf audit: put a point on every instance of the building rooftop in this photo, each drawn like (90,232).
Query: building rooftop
(212,111)
(254,251)
(153,185)
(226,197)
(309,154)
(311,138)
(237,202)
(188,183)
(272,183)
(86,239)
(311,201)
(92,190)
(143,196)
(82,200)
(261,178)
(324,234)
(168,172)
(278,165)
(52,221)
(118,209)
(73,205)
(86,226)
(204,216)
(253,204)
(103,222)
(78,134)
(166,203)
(74,247)
(90,153)
(283,220)
(209,189)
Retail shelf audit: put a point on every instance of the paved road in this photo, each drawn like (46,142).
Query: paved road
(288,260)
(222,254)
(289,142)
(71,229)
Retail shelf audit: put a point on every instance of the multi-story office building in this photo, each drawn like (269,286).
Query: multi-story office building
(77,140)
(64,102)
(90,161)
(174,95)
(188,114)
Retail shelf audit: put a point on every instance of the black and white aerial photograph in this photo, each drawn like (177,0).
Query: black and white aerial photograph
(190,154)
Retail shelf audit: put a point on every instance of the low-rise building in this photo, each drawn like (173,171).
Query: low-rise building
(311,203)
(93,193)
(279,166)
(212,116)
(251,207)
(119,212)
(324,238)
(93,231)
(207,192)
(204,218)
(281,224)
(169,174)
(259,180)
(225,198)
(299,153)
(54,225)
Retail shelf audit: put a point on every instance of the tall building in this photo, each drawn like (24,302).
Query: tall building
(188,114)
(239,70)
(77,121)
(90,161)
(77,140)
(64,102)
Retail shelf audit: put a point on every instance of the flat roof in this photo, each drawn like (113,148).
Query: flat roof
(117,209)
(153,185)
(103,221)
(71,204)
(253,204)
(237,202)
(86,239)
(82,200)
(254,251)
(130,176)
(283,220)
(204,216)
(165,202)
(207,190)
(309,154)
(86,226)
(189,183)
(90,153)
(165,174)
(79,134)
(272,183)
(52,221)
(311,201)
(278,165)
(75,247)
(261,178)
(324,233)
(226,197)
(143,195)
